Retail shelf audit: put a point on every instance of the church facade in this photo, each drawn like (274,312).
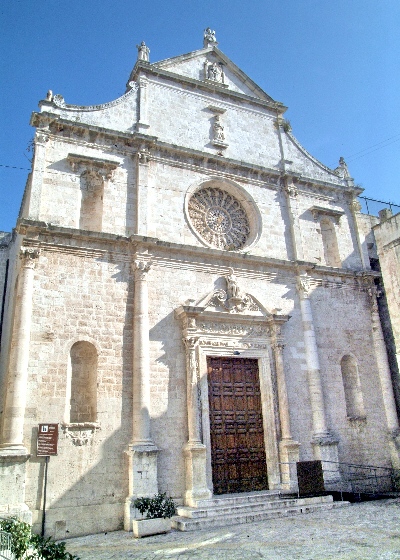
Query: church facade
(188,295)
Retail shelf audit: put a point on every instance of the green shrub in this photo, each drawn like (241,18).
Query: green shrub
(20,535)
(48,549)
(28,546)
(156,507)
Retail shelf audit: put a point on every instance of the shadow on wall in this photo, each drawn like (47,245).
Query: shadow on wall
(88,482)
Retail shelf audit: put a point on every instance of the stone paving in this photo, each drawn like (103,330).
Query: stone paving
(366,531)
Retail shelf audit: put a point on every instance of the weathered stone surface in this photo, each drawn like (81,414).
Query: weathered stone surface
(126,288)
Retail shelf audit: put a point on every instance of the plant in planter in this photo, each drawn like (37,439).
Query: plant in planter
(158,510)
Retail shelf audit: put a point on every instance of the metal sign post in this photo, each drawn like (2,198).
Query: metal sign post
(46,445)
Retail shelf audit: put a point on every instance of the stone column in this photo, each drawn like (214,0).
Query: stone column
(288,448)
(13,454)
(143,122)
(15,402)
(142,186)
(355,208)
(143,479)
(195,450)
(291,193)
(325,447)
(385,378)
(38,167)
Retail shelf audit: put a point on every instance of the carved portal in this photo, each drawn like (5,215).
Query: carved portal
(218,326)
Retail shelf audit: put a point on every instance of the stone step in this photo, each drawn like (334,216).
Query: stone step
(250,497)
(188,524)
(222,508)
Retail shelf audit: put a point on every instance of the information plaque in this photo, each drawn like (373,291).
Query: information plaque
(47,440)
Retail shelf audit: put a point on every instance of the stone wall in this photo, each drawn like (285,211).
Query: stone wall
(387,236)
(85,294)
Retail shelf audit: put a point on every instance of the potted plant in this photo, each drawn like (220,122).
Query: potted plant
(158,510)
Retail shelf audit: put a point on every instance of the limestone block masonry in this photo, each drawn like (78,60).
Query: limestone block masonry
(178,224)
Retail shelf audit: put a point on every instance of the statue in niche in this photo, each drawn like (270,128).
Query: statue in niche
(209,37)
(232,287)
(143,52)
(218,130)
(215,73)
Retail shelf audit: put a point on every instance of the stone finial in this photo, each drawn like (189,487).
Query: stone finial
(385,214)
(209,38)
(342,170)
(143,52)
(49,96)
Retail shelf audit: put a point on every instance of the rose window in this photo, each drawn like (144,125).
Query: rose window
(219,218)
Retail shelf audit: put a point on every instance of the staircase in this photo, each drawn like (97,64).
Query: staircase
(232,509)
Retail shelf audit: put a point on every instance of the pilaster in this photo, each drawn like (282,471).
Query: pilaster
(142,186)
(291,194)
(195,450)
(385,378)
(288,448)
(143,122)
(15,401)
(324,445)
(142,453)
(355,208)
(38,167)
(13,454)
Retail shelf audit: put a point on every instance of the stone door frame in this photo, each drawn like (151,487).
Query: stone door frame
(255,335)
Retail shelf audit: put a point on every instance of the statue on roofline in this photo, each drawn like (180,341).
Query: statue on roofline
(143,52)
(209,37)
(342,171)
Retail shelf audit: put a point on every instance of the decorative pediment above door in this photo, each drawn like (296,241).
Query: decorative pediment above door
(230,318)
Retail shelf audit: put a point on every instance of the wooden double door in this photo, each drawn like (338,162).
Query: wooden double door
(236,425)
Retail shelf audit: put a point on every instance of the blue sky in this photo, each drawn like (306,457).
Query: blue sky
(334,63)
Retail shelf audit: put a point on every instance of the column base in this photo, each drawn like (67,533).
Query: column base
(195,469)
(288,457)
(143,476)
(326,450)
(394,445)
(13,449)
(12,484)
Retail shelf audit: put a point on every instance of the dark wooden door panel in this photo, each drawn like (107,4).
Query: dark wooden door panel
(237,435)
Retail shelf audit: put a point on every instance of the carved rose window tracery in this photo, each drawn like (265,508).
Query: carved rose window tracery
(219,218)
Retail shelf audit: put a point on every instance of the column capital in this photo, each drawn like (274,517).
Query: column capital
(278,344)
(304,284)
(29,256)
(143,155)
(190,342)
(140,268)
(291,190)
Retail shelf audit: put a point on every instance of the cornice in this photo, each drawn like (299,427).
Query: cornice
(213,87)
(136,140)
(122,249)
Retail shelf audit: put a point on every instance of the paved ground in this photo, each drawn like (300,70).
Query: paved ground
(366,531)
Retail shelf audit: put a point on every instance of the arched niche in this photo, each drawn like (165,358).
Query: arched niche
(92,192)
(329,241)
(83,382)
(352,387)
